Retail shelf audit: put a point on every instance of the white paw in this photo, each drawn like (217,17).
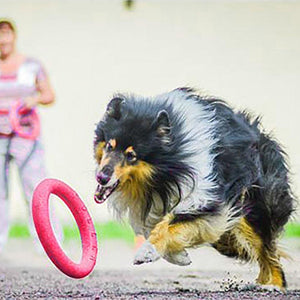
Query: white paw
(146,253)
(271,288)
(181,258)
(259,287)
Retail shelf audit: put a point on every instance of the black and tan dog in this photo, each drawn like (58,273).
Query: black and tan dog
(187,170)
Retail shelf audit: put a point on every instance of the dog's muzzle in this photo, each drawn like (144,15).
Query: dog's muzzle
(104,190)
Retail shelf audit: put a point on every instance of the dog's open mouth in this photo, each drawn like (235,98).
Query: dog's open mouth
(103,192)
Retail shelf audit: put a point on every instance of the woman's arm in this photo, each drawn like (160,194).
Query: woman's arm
(45,95)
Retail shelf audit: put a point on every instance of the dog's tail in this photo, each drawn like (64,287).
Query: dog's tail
(276,189)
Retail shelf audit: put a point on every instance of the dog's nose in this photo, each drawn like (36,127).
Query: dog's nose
(103,178)
(105,175)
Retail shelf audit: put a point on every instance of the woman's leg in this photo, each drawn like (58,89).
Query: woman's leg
(4,204)
(29,156)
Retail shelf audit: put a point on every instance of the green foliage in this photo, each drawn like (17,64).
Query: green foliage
(114,230)
(292,230)
(105,231)
(19,230)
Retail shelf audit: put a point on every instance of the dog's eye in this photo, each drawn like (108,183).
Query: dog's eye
(109,147)
(130,156)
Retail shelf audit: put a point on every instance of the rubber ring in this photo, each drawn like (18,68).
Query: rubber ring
(15,122)
(41,218)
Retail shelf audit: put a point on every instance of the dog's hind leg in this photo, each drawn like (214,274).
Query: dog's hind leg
(244,243)
(169,239)
(271,272)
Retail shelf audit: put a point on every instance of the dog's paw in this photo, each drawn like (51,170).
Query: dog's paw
(146,253)
(181,258)
(272,288)
(256,287)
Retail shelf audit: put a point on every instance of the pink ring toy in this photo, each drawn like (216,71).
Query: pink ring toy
(40,211)
(17,110)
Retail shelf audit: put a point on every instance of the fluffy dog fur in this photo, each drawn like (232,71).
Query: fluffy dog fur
(187,170)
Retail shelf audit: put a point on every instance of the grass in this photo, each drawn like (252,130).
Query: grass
(113,230)
(105,231)
(292,230)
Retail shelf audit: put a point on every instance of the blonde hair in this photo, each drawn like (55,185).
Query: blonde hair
(9,23)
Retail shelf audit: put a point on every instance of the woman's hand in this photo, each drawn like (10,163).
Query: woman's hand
(45,95)
(31,102)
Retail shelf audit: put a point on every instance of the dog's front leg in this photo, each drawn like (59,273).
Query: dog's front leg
(148,253)
(154,247)
(169,240)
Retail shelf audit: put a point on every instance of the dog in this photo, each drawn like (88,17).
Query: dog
(186,170)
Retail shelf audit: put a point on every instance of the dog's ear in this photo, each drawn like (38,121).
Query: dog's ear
(162,125)
(99,134)
(113,109)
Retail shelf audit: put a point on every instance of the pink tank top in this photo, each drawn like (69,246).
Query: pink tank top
(17,86)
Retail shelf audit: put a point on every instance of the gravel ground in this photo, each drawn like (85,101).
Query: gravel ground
(24,274)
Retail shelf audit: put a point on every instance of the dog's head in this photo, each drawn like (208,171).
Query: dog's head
(127,142)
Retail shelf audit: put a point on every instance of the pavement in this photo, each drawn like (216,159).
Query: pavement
(26,273)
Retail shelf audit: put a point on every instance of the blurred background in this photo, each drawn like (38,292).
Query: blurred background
(246,52)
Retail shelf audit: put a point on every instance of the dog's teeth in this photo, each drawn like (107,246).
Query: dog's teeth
(102,193)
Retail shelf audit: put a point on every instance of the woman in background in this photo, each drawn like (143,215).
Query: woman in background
(21,78)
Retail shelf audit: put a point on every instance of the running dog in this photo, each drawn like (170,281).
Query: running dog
(187,170)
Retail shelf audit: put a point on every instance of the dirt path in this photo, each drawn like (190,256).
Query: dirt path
(25,275)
